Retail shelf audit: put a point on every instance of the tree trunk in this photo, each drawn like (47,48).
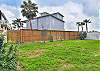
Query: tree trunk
(37,23)
(20,32)
(30,24)
(31,29)
(18,36)
(82,28)
(86,28)
(0,14)
(78,28)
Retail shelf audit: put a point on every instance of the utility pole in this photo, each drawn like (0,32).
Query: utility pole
(0,14)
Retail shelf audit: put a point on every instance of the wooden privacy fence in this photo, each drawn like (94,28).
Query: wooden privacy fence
(27,35)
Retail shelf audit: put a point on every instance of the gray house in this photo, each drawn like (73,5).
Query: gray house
(47,22)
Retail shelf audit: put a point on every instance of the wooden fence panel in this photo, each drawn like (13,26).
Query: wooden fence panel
(27,35)
(36,35)
(66,35)
(13,36)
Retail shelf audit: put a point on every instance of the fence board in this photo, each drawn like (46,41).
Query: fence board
(27,35)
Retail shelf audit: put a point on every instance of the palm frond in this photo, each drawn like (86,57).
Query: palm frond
(29,9)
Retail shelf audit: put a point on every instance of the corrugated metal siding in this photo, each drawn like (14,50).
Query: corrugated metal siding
(93,35)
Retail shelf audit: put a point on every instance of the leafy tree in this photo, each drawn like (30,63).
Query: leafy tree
(29,10)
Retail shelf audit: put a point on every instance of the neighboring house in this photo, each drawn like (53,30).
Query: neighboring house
(4,24)
(3,29)
(47,22)
(93,35)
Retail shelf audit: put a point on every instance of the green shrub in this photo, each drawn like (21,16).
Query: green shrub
(8,59)
(83,35)
(1,40)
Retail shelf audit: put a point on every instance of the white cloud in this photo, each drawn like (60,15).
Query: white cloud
(91,7)
(9,11)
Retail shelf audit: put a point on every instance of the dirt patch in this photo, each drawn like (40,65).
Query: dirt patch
(20,66)
(33,54)
(64,65)
(97,53)
(57,45)
(67,65)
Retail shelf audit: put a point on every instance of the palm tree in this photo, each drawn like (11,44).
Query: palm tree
(81,33)
(78,23)
(29,10)
(17,23)
(82,23)
(86,21)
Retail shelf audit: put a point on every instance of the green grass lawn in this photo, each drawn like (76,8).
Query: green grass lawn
(70,55)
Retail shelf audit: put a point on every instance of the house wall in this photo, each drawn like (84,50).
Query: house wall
(43,23)
(56,24)
(58,16)
(47,23)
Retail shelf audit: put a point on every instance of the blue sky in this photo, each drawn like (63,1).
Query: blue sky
(11,2)
(51,2)
(73,10)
